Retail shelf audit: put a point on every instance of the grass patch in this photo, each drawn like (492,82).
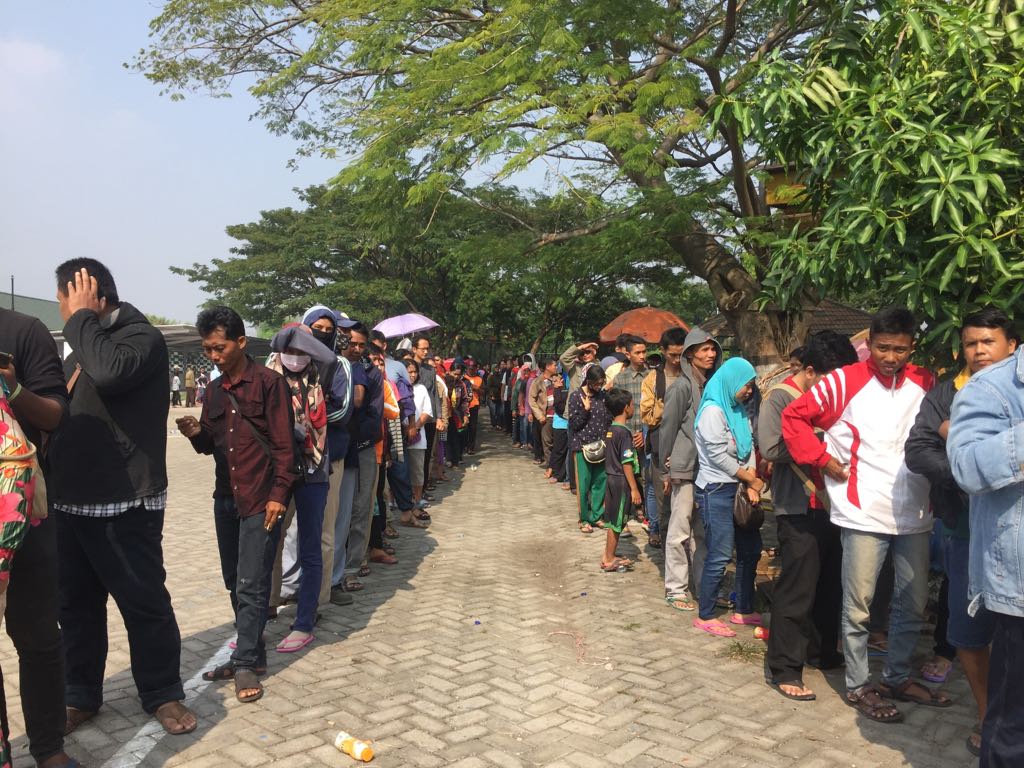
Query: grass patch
(752,653)
(632,627)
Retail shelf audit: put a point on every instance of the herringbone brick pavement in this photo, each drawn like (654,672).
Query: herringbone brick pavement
(496,641)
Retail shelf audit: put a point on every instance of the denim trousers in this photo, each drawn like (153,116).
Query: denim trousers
(120,557)
(715,503)
(247,552)
(398,481)
(310,501)
(650,499)
(863,555)
(31,623)
(343,522)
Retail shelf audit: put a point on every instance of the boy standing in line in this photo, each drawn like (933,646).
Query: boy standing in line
(621,466)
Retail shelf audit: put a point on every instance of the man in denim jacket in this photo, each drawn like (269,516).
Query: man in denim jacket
(986,451)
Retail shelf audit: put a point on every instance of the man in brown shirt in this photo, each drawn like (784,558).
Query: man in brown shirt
(246,424)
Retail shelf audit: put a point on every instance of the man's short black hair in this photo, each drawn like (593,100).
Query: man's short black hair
(546,361)
(827,350)
(209,320)
(632,341)
(616,400)
(404,355)
(418,338)
(797,353)
(992,317)
(379,338)
(361,329)
(622,339)
(673,337)
(897,321)
(104,280)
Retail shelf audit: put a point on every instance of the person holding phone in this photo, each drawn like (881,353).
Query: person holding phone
(246,423)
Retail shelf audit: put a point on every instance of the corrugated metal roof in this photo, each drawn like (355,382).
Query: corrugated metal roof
(47,312)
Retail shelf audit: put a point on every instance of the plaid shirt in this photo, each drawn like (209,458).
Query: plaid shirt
(631,381)
(113,508)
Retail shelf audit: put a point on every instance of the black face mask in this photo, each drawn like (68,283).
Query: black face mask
(324,337)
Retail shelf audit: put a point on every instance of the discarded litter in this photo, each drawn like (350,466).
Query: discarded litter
(353,747)
(583,594)
(477,622)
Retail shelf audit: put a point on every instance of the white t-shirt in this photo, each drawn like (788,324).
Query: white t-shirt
(421,398)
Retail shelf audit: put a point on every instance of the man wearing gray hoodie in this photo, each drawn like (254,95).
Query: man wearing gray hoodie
(701,354)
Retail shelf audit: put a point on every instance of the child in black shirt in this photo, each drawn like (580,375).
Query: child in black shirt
(621,466)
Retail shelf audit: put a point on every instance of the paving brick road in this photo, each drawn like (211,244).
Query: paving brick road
(496,641)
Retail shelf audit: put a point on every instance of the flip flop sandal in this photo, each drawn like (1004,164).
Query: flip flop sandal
(681,602)
(929,671)
(899,693)
(414,523)
(618,565)
(749,619)
(352,584)
(794,696)
(384,559)
(586,528)
(363,571)
(713,627)
(869,703)
(163,720)
(292,645)
(390,533)
(974,749)
(423,517)
(246,680)
(390,550)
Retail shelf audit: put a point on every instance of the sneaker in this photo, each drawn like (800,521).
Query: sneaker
(340,597)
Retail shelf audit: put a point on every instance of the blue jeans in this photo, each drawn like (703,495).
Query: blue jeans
(715,505)
(398,480)
(863,555)
(650,499)
(310,500)
(246,559)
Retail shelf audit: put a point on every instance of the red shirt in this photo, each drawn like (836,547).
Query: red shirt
(252,477)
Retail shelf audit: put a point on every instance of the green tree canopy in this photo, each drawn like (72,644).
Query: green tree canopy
(618,98)
(905,126)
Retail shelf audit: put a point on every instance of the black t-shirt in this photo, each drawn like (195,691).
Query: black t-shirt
(36,361)
(619,451)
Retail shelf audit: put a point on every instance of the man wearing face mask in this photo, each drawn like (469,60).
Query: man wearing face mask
(317,384)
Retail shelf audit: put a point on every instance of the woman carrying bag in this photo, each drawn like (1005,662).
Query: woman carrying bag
(727,467)
(589,421)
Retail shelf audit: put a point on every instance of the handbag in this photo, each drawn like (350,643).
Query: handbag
(593,452)
(746,516)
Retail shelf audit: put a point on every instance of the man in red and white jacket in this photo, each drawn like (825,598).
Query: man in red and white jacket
(866,411)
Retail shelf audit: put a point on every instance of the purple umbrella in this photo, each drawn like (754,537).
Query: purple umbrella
(403,325)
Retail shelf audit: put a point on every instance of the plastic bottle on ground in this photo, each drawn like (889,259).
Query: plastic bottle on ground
(353,747)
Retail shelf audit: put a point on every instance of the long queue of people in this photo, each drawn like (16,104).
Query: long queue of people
(876,472)
(320,454)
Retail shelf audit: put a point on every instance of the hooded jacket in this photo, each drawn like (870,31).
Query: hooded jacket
(676,447)
(339,398)
(112,447)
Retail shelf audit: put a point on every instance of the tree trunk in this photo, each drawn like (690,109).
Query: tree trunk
(764,337)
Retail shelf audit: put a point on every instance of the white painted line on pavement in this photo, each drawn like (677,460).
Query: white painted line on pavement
(134,751)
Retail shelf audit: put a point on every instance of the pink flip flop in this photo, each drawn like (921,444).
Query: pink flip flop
(749,619)
(713,627)
(291,646)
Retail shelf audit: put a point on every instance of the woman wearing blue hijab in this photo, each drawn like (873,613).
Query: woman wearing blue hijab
(725,457)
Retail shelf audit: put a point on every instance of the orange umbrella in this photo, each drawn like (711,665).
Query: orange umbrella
(646,322)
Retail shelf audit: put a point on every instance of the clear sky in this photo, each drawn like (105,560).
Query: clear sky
(95,162)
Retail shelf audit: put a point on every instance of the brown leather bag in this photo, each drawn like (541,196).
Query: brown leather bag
(746,516)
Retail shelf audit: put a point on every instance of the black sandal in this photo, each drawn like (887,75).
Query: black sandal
(794,696)
(246,680)
(869,703)
(227,672)
(900,693)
